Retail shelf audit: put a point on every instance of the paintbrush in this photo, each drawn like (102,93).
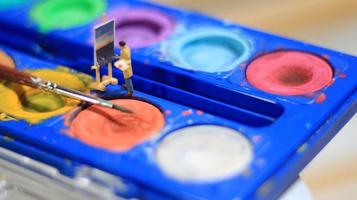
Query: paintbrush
(27,79)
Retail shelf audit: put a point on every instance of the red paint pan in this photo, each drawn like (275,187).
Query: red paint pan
(289,73)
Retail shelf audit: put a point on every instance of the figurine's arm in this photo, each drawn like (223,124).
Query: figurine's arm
(125,68)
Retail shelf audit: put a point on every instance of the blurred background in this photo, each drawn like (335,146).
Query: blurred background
(328,23)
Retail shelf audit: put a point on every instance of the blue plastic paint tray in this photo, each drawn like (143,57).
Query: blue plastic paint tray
(195,71)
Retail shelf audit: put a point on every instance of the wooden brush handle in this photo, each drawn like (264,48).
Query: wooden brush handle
(8,73)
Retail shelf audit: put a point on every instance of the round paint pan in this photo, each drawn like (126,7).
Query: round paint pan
(117,131)
(203,153)
(34,105)
(208,50)
(289,73)
(142,27)
(66,14)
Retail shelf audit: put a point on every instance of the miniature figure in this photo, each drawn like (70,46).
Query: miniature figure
(124,64)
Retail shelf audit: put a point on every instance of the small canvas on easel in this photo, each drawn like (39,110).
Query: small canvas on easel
(104,43)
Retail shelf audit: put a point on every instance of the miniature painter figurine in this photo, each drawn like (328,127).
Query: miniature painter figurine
(124,64)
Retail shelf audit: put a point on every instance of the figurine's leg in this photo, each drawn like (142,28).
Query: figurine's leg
(109,78)
(129,87)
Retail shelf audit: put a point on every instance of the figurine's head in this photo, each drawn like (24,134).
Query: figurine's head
(122,44)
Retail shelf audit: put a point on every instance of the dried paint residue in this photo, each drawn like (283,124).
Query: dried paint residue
(302,148)
(243,65)
(257,139)
(321,98)
(34,105)
(341,75)
(115,130)
(186,112)
(167,112)
(199,112)
(264,189)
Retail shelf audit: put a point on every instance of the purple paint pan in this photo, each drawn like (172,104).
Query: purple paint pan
(141,27)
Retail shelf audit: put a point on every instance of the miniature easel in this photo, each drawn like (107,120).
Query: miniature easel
(107,79)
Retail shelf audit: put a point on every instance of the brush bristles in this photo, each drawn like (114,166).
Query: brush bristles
(120,108)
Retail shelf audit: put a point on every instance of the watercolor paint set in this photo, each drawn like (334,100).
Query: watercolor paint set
(221,111)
